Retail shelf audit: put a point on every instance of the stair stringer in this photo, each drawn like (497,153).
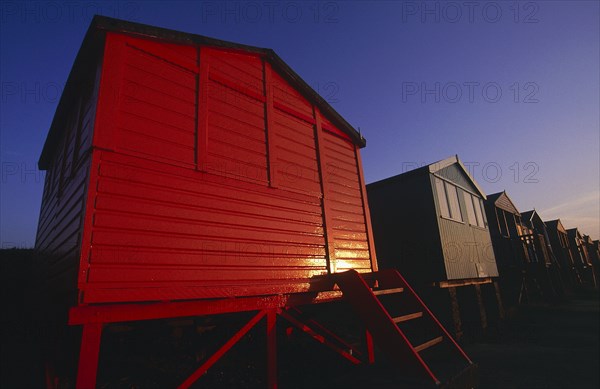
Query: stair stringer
(380,324)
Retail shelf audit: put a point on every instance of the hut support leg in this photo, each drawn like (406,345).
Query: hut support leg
(272,349)
(482,314)
(499,299)
(455,312)
(88,355)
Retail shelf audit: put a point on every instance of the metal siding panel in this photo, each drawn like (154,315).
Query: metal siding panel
(468,251)
(454,173)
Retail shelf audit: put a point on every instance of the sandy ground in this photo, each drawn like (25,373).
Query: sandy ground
(544,347)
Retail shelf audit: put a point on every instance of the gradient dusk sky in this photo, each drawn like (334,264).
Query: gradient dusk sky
(511,87)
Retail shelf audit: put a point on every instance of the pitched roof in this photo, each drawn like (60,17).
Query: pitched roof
(528,215)
(574,232)
(102,24)
(555,224)
(502,201)
(434,168)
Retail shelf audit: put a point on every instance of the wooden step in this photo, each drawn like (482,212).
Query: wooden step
(387,291)
(410,316)
(429,343)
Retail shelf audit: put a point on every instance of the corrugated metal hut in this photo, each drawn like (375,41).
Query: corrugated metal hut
(580,256)
(559,241)
(430,224)
(516,251)
(541,240)
(190,176)
(593,248)
(539,235)
(506,229)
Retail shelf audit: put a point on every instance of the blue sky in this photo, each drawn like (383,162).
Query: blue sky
(512,88)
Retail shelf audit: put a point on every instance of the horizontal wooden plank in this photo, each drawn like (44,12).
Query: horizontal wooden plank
(249,65)
(138,79)
(184,55)
(232,102)
(252,90)
(163,117)
(158,66)
(190,292)
(164,226)
(134,91)
(237,137)
(166,187)
(151,241)
(352,254)
(155,148)
(210,255)
(173,274)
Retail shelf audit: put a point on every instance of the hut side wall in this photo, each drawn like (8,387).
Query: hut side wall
(405,228)
(507,245)
(211,180)
(60,225)
(560,246)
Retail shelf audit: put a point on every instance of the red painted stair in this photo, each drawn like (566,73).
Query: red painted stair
(394,335)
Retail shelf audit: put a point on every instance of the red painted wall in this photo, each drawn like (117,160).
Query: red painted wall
(212,176)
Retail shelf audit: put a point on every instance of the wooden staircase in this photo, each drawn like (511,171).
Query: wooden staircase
(405,330)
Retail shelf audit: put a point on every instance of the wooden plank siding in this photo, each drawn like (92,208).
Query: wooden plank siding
(207,180)
(60,225)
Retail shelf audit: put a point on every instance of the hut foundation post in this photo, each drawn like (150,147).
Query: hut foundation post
(272,349)
(455,312)
(88,355)
(499,299)
(482,314)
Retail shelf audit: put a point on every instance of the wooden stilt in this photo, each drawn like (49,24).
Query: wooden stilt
(88,356)
(455,313)
(482,314)
(272,349)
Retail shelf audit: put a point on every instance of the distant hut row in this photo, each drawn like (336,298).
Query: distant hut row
(470,254)
(189,176)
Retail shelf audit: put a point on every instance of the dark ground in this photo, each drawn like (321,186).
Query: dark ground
(540,346)
(544,347)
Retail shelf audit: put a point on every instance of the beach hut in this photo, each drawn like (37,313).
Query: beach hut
(581,259)
(191,176)
(559,241)
(541,240)
(430,224)
(515,248)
